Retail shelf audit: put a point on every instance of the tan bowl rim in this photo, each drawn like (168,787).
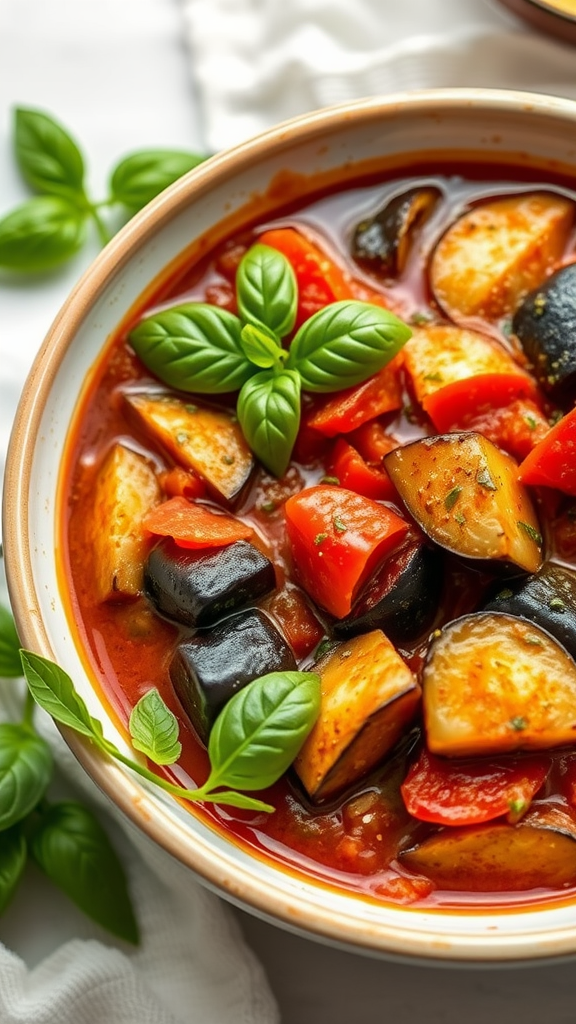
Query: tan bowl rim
(224,876)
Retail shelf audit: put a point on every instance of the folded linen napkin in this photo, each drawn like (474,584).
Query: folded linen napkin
(257,62)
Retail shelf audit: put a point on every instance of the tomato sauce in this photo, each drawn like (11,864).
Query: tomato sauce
(352,843)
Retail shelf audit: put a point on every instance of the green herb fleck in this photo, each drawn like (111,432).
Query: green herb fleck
(532,533)
(505,594)
(433,376)
(452,497)
(516,809)
(182,437)
(320,538)
(268,506)
(484,478)
(228,460)
(418,317)
(518,723)
(339,526)
(330,480)
(556,604)
(531,422)
(459,518)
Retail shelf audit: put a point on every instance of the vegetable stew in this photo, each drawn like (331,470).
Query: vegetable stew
(342,445)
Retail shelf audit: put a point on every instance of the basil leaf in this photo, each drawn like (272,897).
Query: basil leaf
(266,289)
(260,348)
(195,347)
(41,234)
(260,730)
(48,157)
(154,729)
(13,855)
(25,771)
(10,664)
(344,344)
(54,691)
(269,413)
(71,846)
(140,177)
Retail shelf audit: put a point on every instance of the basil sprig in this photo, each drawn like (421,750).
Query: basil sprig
(64,839)
(254,738)
(339,346)
(49,229)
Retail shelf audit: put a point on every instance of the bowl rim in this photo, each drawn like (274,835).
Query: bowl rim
(223,875)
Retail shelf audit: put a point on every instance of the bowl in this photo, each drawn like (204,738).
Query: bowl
(555,17)
(288,163)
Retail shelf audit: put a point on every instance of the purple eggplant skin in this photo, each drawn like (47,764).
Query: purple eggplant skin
(545,325)
(401,598)
(382,243)
(197,588)
(548,598)
(209,668)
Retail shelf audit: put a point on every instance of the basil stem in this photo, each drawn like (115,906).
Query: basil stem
(266,290)
(269,413)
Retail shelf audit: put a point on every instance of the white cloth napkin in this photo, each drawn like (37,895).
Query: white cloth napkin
(257,62)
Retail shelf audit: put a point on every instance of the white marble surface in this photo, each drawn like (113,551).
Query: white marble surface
(116,72)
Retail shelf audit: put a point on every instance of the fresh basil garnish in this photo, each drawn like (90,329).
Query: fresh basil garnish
(10,664)
(25,770)
(40,234)
(269,413)
(344,344)
(13,856)
(53,690)
(154,729)
(261,348)
(193,347)
(72,848)
(266,290)
(141,176)
(48,157)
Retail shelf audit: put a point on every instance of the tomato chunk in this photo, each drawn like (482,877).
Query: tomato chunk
(354,473)
(469,793)
(350,408)
(552,463)
(194,526)
(337,537)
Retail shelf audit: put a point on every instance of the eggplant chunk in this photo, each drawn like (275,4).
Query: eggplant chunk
(207,441)
(369,696)
(463,492)
(212,666)
(545,324)
(548,598)
(539,851)
(197,588)
(383,243)
(126,489)
(490,257)
(494,684)
(401,598)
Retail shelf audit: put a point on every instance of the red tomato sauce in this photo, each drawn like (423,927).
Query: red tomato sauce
(353,843)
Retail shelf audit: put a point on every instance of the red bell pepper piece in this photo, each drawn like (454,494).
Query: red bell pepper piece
(351,471)
(467,793)
(337,538)
(456,404)
(517,428)
(350,408)
(552,463)
(194,526)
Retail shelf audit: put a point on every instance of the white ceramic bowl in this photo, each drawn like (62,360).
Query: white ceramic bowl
(321,148)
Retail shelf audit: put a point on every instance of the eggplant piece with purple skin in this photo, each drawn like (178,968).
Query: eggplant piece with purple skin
(547,598)
(401,598)
(545,325)
(382,244)
(209,668)
(197,588)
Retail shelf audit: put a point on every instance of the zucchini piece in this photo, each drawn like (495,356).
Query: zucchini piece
(369,696)
(126,489)
(545,325)
(539,851)
(207,441)
(382,244)
(490,257)
(463,492)
(198,587)
(548,598)
(494,684)
(212,666)
(401,598)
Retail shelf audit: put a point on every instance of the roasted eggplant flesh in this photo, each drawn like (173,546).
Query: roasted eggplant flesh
(369,697)
(210,667)
(463,492)
(547,598)
(540,850)
(197,588)
(545,324)
(401,598)
(494,684)
(382,243)
(496,252)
